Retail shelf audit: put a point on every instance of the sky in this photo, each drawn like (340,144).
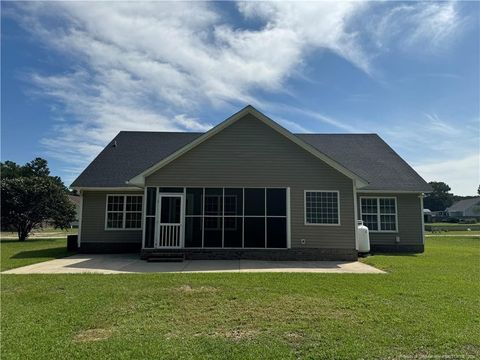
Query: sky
(74,74)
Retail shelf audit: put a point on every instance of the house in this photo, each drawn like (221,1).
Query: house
(466,208)
(249,188)
(75,200)
(427,216)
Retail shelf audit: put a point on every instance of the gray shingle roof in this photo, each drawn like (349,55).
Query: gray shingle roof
(367,155)
(135,152)
(464,204)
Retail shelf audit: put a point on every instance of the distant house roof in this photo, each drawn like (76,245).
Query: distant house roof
(132,152)
(464,204)
(75,199)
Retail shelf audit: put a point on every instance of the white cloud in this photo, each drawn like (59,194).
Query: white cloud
(462,175)
(449,153)
(417,26)
(154,65)
(191,123)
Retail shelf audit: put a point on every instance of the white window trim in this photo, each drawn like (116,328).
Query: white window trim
(305,208)
(378,213)
(124,213)
(158,216)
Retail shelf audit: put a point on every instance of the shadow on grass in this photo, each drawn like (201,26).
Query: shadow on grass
(394,254)
(26,242)
(43,253)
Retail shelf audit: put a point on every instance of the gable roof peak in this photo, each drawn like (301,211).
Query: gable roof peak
(139,180)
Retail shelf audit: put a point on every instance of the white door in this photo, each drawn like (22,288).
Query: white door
(170,232)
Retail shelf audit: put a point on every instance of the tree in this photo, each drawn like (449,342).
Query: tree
(30,197)
(27,202)
(10,170)
(36,167)
(440,198)
(478,190)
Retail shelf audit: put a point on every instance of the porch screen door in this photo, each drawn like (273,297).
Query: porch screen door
(170,233)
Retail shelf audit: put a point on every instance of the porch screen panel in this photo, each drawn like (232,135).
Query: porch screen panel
(236,217)
(276,202)
(193,231)
(233,218)
(276,220)
(233,231)
(150,217)
(254,232)
(233,202)
(212,231)
(276,232)
(254,202)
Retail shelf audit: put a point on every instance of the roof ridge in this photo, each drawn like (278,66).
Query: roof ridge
(348,134)
(159,132)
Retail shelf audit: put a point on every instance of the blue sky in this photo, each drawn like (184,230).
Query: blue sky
(74,74)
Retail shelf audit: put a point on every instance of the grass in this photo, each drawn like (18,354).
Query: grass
(453,233)
(449,224)
(47,232)
(15,253)
(426,306)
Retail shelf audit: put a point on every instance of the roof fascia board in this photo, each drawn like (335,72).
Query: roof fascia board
(120,188)
(360,191)
(139,180)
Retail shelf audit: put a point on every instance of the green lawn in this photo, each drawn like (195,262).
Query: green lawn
(449,224)
(453,233)
(47,232)
(15,253)
(426,306)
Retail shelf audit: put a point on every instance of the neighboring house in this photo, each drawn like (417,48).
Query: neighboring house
(427,216)
(75,199)
(466,208)
(249,188)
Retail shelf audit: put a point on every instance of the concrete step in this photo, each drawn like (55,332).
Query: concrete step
(164,257)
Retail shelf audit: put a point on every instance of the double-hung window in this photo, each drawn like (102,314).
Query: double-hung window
(379,213)
(124,212)
(322,207)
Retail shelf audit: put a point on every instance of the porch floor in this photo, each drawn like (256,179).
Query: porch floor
(131,263)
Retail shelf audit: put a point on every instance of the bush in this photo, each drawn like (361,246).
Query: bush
(453,220)
(468,221)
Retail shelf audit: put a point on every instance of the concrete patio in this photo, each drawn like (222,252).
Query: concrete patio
(131,263)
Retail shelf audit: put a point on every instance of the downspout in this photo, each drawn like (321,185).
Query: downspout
(423,220)
(80,216)
(355,211)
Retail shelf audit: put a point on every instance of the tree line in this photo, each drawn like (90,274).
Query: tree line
(441,197)
(31,197)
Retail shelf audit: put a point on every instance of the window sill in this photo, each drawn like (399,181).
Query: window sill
(308,224)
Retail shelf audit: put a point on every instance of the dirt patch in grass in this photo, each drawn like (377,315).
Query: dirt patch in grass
(199,289)
(239,334)
(294,337)
(235,334)
(90,335)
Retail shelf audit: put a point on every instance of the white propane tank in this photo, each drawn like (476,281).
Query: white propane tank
(363,239)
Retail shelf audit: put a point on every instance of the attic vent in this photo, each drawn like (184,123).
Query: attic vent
(115,143)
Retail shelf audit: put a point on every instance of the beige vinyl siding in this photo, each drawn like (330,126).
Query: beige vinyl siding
(251,154)
(93,220)
(409,219)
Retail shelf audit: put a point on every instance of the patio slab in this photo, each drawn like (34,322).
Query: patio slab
(131,263)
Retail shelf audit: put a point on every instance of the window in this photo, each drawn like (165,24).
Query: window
(124,212)
(379,213)
(150,214)
(322,207)
(236,217)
